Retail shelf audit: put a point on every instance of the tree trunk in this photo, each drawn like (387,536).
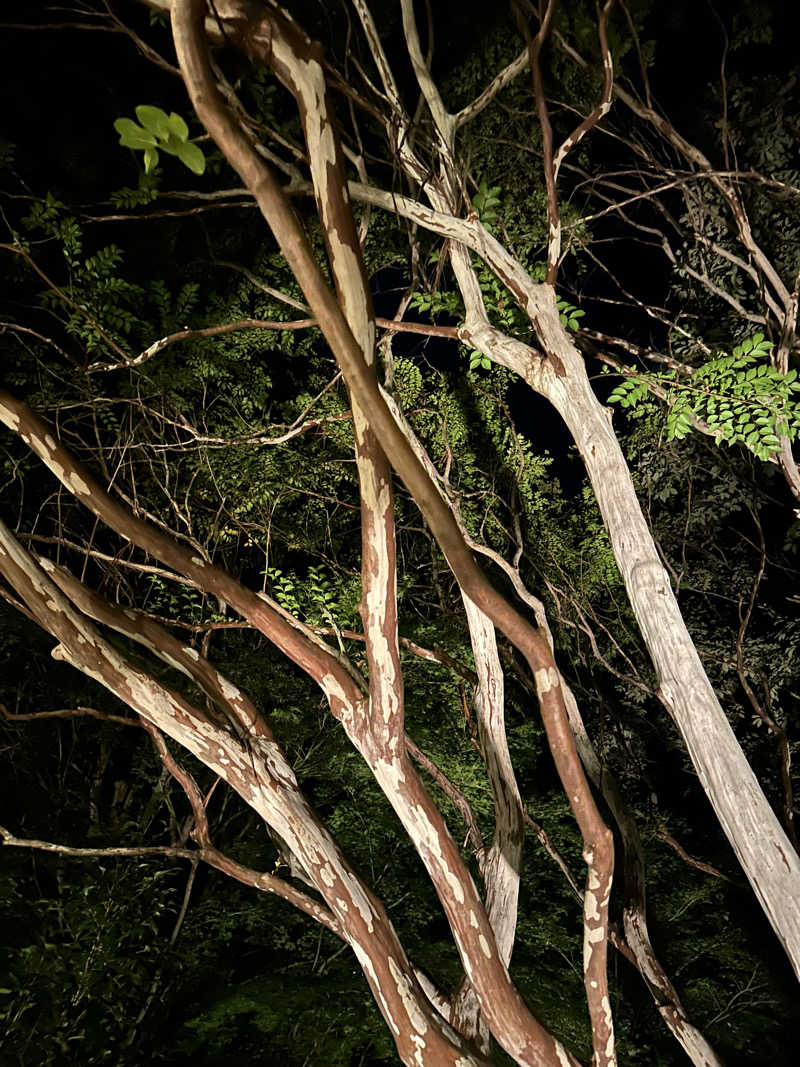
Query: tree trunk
(760,843)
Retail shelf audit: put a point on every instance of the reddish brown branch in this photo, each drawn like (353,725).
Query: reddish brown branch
(267,883)
(604,105)
(513,1024)
(323,665)
(700,865)
(67,713)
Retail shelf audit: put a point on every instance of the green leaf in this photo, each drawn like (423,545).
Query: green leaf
(154,119)
(150,160)
(171,145)
(133,136)
(178,127)
(192,157)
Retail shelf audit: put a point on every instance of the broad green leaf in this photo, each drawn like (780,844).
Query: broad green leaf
(192,157)
(153,119)
(133,136)
(171,145)
(178,127)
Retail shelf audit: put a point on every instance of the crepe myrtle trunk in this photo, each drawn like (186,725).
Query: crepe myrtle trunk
(760,843)
(374,721)
(269,35)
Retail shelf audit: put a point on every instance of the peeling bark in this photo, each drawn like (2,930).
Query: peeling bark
(504,1009)
(235,740)
(502,862)
(258,771)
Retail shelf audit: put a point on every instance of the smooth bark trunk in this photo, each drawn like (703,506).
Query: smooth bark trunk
(761,845)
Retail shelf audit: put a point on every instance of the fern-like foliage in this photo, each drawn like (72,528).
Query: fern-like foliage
(742,398)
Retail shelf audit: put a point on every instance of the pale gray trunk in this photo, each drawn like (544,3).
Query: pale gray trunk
(760,843)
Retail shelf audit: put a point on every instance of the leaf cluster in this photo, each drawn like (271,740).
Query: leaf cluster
(741,398)
(160,132)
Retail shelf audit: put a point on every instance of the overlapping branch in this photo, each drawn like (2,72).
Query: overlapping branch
(499,1001)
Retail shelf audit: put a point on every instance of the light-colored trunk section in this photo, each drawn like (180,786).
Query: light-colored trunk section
(502,864)
(760,843)
(515,1027)
(634,915)
(501,869)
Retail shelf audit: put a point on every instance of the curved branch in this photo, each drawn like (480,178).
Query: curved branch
(267,883)
(604,105)
(260,773)
(510,1020)
(320,663)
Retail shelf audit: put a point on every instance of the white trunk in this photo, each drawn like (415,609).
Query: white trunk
(760,843)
